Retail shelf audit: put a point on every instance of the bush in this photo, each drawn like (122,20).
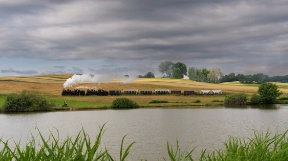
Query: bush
(26,102)
(268,93)
(120,103)
(196,101)
(283,98)
(255,99)
(236,99)
(217,101)
(158,101)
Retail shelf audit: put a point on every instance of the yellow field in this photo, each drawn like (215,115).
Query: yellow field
(52,85)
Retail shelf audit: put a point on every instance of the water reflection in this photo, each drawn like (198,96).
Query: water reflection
(271,107)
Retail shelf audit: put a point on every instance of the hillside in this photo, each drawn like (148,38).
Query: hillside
(52,85)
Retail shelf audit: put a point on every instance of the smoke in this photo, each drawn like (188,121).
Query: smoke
(94,78)
(75,79)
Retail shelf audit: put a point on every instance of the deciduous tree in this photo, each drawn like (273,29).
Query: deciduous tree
(177,73)
(166,68)
(182,68)
(268,93)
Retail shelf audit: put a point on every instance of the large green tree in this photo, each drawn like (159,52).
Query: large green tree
(193,74)
(214,75)
(204,75)
(149,75)
(268,93)
(182,67)
(166,68)
(177,73)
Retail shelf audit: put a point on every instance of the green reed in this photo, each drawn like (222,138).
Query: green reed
(261,147)
(80,148)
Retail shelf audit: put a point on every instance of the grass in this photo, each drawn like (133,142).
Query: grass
(2,101)
(158,101)
(198,101)
(53,148)
(76,103)
(260,147)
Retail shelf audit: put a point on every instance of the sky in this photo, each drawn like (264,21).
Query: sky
(135,36)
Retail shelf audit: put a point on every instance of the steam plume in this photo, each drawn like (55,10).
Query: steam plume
(93,78)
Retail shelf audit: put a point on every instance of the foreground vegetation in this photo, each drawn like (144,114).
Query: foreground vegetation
(80,148)
(261,147)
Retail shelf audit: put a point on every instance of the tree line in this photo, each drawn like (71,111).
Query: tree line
(253,78)
(213,75)
(179,70)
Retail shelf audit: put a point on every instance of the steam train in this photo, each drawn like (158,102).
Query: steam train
(101,92)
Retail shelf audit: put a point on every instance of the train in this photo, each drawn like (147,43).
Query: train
(101,92)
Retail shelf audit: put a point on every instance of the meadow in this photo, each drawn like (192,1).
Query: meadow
(51,87)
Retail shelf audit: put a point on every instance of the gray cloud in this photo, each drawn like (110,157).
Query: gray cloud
(234,35)
(59,67)
(76,70)
(18,72)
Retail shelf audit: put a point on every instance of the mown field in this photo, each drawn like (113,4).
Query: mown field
(52,85)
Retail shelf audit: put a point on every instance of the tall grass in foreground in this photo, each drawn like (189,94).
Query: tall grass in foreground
(81,148)
(261,147)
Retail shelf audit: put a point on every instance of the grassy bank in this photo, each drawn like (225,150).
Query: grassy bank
(94,102)
(261,147)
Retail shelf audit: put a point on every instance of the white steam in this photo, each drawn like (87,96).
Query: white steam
(93,78)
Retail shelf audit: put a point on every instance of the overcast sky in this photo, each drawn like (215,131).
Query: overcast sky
(134,36)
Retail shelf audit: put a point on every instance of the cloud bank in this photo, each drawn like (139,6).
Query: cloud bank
(238,36)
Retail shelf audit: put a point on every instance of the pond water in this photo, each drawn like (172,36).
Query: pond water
(150,128)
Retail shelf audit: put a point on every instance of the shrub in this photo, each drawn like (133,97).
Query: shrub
(283,98)
(158,101)
(268,93)
(120,103)
(26,102)
(236,99)
(217,101)
(196,101)
(255,99)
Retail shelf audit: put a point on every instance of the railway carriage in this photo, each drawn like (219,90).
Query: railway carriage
(130,91)
(217,91)
(162,91)
(146,92)
(188,92)
(115,92)
(205,92)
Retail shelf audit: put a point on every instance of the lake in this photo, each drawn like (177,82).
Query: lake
(150,128)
